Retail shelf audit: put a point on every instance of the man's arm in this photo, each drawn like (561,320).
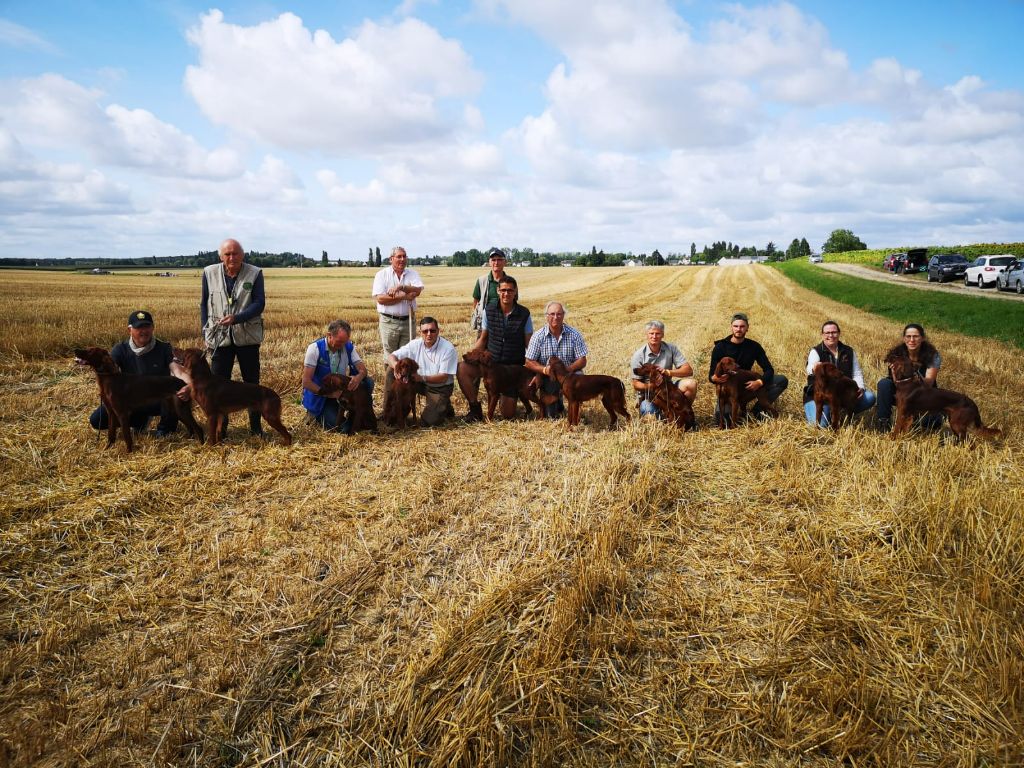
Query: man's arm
(308,383)
(481,342)
(204,312)
(578,364)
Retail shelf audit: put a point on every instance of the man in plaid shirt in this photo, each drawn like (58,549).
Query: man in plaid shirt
(564,342)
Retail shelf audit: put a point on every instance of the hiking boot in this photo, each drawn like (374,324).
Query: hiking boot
(883,426)
(476,412)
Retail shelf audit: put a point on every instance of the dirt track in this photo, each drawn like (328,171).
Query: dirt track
(858,270)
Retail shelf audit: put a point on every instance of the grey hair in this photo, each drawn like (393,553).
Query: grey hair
(655,324)
(338,325)
(550,304)
(396,249)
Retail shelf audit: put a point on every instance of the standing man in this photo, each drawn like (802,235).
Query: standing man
(395,289)
(485,291)
(142,354)
(437,360)
(669,360)
(232,316)
(746,352)
(506,332)
(564,342)
(334,353)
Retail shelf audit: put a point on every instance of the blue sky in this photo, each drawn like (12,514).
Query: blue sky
(131,129)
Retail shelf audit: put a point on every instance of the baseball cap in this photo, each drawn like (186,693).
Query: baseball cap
(496,253)
(139,318)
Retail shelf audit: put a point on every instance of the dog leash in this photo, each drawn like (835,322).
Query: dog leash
(221,332)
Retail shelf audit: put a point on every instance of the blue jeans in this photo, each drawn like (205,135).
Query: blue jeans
(864,402)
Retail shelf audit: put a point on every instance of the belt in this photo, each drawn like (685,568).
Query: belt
(394,317)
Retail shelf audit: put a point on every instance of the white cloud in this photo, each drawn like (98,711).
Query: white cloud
(385,85)
(17,36)
(53,112)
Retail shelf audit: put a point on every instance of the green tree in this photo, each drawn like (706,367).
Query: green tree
(377,260)
(323,258)
(369,259)
(842,240)
(805,247)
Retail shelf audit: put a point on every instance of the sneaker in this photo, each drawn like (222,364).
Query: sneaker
(883,426)
(162,432)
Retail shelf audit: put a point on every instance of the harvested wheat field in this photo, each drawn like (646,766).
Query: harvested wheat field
(511,593)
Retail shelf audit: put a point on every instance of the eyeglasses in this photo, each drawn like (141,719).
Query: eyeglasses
(555,314)
(911,336)
(506,290)
(428,330)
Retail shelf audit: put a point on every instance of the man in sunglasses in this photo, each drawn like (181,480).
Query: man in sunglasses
(437,361)
(506,332)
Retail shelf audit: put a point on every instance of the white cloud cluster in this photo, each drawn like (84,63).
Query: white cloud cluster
(295,89)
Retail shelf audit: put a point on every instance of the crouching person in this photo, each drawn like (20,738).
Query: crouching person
(438,361)
(334,353)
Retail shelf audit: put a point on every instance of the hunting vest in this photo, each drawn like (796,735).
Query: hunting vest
(506,337)
(221,303)
(843,360)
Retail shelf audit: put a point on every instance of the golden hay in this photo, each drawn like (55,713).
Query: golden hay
(508,593)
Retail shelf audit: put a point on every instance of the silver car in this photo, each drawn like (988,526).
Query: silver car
(1012,277)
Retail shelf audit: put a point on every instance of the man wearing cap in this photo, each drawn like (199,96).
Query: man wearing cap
(395,289)
(746,352)
(436,359)
(485,290)
(231,312)
(142,354)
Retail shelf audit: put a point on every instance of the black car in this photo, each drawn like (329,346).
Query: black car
(914,260)
(947,266)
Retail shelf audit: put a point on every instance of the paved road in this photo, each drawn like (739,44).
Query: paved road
(858,270)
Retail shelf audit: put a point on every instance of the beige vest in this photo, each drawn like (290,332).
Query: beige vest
(242,334)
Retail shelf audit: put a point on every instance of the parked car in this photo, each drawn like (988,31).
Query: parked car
(946,266)
(985,270)
(1012,277)
(914,260)
(814,258)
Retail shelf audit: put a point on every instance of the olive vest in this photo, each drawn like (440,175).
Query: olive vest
(506,337)
(221,304)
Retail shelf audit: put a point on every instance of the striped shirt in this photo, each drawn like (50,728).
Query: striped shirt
(569,347)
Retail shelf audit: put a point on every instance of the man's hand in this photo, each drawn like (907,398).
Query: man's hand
(227,320)
(185,393)
(353,384)
(754,385)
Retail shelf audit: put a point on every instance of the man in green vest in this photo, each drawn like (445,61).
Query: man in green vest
(232,317)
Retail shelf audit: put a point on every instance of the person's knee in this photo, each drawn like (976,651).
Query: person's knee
(648,408)
(98,418)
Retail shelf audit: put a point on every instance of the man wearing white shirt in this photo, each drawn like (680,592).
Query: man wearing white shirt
(437,360)
(395,289)
(831,350)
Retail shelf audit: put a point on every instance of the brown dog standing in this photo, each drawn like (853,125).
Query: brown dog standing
(121,394)
(502,379)
(578,388)
(218,396)
(915,398)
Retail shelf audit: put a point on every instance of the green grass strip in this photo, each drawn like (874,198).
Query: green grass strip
(969,315)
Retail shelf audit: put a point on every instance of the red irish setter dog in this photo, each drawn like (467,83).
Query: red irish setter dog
(835,389)
(915,398)
(121,394)
(400,402)
(358,404)
(667,397)
(731,383)
(219,397)
(500,377)
(577,389)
